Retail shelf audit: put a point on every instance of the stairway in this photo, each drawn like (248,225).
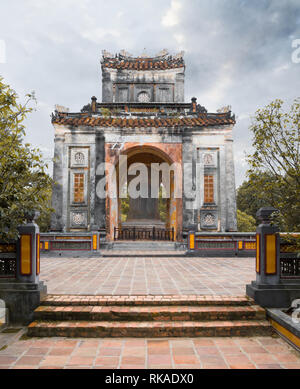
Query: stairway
(148,316)
(145,248)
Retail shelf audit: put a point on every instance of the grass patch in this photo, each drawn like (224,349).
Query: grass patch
(25,337)
(11,330)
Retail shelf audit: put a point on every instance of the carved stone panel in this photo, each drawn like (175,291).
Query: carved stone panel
(209,158)
(144,92)
(78,219)
(79,157)
(123,94)
(208,219)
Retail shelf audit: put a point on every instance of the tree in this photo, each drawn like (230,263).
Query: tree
(24,184)
(245,223)
(254,194)
(276,142)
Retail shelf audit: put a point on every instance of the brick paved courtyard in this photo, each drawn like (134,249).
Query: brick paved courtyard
(158,276)
(192,353)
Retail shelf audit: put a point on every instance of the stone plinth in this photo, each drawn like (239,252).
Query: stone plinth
(144,223)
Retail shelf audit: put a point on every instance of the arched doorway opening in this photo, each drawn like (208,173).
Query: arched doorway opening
(161,209)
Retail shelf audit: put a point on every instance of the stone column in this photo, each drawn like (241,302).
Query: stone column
(188,180)
(107,93)
(99,211)
(269,290)
(179,88)
(23,294)
(57,189)
(231,222)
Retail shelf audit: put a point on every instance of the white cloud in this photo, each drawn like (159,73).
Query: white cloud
(281,68)
(97,34)
(171,18)
(237,55)
(216,94)
(179,39)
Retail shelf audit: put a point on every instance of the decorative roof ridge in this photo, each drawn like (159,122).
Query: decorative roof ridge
(201,119)
(151,110)
(124,60)
(125,56)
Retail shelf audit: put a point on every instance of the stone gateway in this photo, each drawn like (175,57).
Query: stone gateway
(124,144)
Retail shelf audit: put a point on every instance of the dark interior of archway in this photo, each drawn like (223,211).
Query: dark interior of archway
(144,211)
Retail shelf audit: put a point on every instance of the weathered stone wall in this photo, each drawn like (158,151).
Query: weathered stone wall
(184,145)
(125,85)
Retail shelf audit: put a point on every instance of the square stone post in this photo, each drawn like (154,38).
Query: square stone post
(23,293)
(269,290)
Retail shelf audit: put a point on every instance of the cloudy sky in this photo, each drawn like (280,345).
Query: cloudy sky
(237,52)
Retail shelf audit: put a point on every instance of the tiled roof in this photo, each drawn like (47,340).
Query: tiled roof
(143,63)
(201,120)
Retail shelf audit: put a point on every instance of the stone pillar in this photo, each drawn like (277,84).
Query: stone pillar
(99,211)
(107,92)
(231,222)
(23,294)
(57,189)
(269,290)
(28,263)
(188,185)
(268,249)
(179,88)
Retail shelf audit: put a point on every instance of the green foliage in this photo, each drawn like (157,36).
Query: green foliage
(162,205)
(246,223)
(254,194)
(275,163)
(124,208)
(105,112)
(24,183)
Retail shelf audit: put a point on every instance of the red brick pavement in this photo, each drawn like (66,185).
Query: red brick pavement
(207,353)
(144,276)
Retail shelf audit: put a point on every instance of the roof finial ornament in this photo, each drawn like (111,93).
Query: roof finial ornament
(106,54)
(144,53)
(162,53)
(125,53)
(225,109)
(61,108)
(179,55)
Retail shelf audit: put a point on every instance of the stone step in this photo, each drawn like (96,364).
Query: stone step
(146,300)
(146,245)
(149,329)
(152,313)
(143,253)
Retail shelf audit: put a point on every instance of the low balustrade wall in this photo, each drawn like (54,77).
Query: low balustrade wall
(62,244)
(225,244)
(289,256)
(8,259)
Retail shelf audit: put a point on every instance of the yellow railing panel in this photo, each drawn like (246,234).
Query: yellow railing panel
(270,253)
(257,253)
(94,242)
(26,254)
(192,241)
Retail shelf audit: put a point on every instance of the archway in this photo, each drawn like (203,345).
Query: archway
(161,211)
